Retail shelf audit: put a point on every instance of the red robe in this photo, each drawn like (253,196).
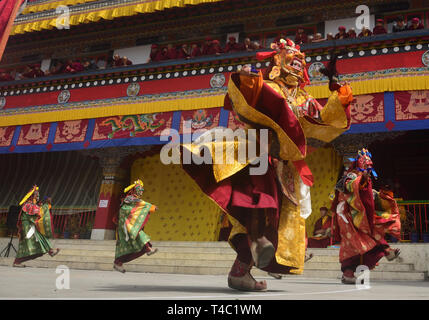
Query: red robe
(320,242)
(357,225)
(379,30)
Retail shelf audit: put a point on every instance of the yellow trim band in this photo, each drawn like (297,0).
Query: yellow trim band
(361,87)
(114,110)
(110,13)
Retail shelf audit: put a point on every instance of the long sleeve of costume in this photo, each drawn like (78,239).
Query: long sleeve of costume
(334,117)
(134,215)
(44,222)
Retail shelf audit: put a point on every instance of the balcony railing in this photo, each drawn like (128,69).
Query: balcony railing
(236,58)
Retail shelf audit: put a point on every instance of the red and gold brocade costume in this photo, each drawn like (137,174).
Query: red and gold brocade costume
(278,103)
(362,218)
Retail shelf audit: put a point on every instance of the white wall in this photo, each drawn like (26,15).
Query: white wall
(235,35)
(332,25)
(137,55)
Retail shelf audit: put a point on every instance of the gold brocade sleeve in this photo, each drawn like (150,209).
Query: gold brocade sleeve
(288,148)
(222,166)
(334,121)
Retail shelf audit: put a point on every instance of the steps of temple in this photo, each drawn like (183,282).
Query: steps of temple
(213,258)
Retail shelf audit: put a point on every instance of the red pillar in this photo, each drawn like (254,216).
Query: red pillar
(109,199)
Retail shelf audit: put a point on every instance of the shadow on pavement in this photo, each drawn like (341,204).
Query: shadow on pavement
(167,289)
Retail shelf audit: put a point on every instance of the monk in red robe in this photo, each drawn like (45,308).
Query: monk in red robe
(33,71)
(415,24)
(171,52)
(155,53)
(205,50)
(183,52)
(5,76)
(342,34)
(362,218)
(195,50)
(232,45)
(322,231)
(379,27)
(300,36)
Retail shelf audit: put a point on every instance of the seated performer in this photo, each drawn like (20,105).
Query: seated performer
(322,231)
(34,227)
(357,223)
(268,210)
(132,241)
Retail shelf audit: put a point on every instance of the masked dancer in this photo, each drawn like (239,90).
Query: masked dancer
(362,218)
(268,209)
(132,241)
(34,227)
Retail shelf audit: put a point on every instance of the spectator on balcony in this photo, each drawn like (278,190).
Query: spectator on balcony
(57,67)
(126,61)
(207,46)
(300,36)
(101,62)
(330,36)
(399,25)
(415,24)
(117,61)
(164,54)
(365,32)
(379,27)
(183,52)
(256,45)
(318,38)
(73,66)
(155,53)
(89,64)
(195,50)
(248,45)
(33,71)
(232,45)
(215,48)
(5,76)
(342,34)
(352,33)
(171,51)
(120,62)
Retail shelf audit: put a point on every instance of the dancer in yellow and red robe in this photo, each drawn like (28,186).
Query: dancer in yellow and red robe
(268,211)
(362,218)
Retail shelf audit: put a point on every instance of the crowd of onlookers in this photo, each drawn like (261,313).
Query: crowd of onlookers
(64,67)
(399,26)
(209,47)
(186,51)
(157,53)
